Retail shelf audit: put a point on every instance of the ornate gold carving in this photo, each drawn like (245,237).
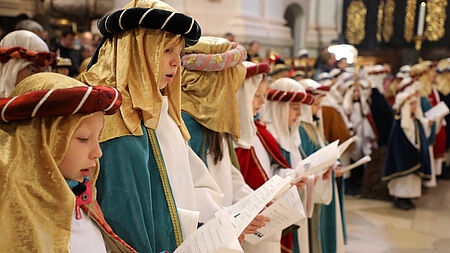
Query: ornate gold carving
(409,20)
(380,20)
(388,24)
(356,22)
(435,20)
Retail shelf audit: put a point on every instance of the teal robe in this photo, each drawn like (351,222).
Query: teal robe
(134,193)
(327,219)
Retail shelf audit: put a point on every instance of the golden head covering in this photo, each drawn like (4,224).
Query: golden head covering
(83,67)
(131,62)
(36,203)
(210,96)
(424,72)
(443,76)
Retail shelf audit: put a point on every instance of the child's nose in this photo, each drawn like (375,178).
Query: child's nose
(97,152)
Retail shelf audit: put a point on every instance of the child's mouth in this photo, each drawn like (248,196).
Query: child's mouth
(85,172)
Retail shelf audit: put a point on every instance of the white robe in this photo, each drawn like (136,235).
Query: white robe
(405,187)
(196,194)
(85,236)
(228,177)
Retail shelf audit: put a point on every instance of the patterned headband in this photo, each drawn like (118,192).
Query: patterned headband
(169,21)
(321,90)
(290,96)
(279,68)
(215,62)
(42,59)
(259,68)
(58,102)
(402,87)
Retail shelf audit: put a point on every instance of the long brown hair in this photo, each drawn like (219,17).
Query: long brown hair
(215,147)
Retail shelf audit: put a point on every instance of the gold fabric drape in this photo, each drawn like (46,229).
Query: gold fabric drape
(210,97)
(36,203)
(131,62)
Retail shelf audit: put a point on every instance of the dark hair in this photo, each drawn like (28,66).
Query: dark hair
(253,42)
(228,34)
(215,145)
(67,32)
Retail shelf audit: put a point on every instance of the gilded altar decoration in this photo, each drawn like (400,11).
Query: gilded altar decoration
(409,19)
(356,22)
(380,20)
(435,20)
(388,22)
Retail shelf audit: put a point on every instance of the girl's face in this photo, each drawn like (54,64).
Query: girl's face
(316,105)
(28,71)
(294,112)
(170,63)
(260,97)
(84,149)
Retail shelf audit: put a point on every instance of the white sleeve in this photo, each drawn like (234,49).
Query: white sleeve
(208,194)
(240,188)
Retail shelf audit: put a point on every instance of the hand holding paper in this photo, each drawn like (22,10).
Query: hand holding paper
(244,211)
(285,211)
(216,236)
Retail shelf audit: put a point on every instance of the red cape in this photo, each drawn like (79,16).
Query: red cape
(253,172)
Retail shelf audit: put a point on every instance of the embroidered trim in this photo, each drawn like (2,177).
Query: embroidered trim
(258,164)
(166,186)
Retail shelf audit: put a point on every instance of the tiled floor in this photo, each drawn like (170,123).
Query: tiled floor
(374,226)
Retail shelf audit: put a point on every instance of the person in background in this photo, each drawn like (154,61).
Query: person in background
(32,26)
(408,158)
(229,36)
(62,66)
(22,54)
(253,51)
(66,50)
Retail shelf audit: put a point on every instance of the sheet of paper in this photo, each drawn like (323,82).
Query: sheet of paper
(244,211)
(216,236)
(438,111)
(360,162)
(319,161)
(344,146)
(285,211)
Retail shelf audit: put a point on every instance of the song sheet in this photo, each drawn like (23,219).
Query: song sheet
(438,111)
(215,236)
(285,211)
(344,146)
(319,161)
(360,162)
(244,211)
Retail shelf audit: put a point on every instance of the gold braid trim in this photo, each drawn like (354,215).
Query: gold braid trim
(435,20)
(284,249)
(261,170)
(388,25)
(380,20)
(356,22)
(166,185)
(409,20)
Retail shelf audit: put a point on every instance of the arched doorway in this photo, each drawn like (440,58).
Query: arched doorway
(295,20)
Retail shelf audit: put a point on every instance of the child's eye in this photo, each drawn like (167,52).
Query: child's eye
(82,139)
